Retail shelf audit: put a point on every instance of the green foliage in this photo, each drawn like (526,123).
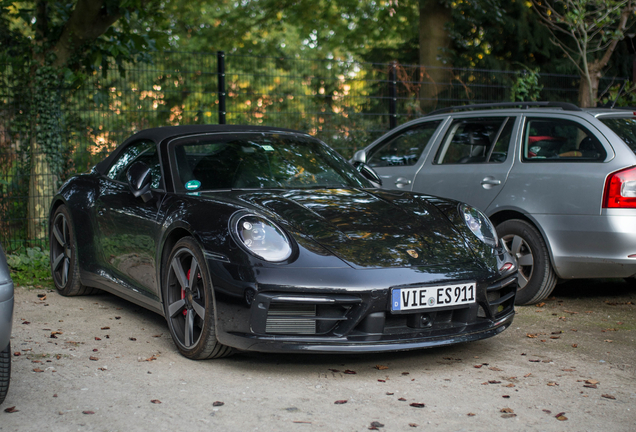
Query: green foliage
(620,95)
(30,267)
(526,87)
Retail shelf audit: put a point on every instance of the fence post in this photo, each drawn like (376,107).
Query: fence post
(392,94)
(220,65)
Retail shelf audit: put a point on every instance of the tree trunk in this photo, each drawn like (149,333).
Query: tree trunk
(42,187)
(432,37)
(588,90)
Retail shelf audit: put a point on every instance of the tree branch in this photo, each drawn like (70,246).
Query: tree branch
(89,20)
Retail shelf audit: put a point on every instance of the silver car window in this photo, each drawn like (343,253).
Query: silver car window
(625,128)
(476,140)
(559,140)
(404,149)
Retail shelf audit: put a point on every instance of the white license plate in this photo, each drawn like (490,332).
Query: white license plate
(406,299)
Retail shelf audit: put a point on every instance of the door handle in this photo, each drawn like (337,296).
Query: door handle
(401,182)
(490,182)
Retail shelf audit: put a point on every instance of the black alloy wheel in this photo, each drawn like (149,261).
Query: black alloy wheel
(535,276)
(189,303)
(5,372)
(63,256)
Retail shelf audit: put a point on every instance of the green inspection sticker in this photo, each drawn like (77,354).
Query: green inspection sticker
(267,148)
(193,185)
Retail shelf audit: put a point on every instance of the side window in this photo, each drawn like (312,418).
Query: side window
(550,140)
(144,151)
(404,149)
(476,140)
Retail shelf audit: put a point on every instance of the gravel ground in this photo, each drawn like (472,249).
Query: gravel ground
(100,363)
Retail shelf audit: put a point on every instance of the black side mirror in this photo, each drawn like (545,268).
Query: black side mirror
(368,173)
(140,180)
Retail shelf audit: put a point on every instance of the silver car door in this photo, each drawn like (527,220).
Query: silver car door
(396,157)
(472,161)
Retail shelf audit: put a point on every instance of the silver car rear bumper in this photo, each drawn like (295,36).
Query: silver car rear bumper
(592,246)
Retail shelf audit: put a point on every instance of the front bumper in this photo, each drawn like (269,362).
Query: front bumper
(289,319)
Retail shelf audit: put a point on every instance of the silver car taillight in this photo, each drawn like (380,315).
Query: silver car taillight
(620,189)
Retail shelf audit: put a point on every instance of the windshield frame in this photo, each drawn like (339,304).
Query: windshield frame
(347,173)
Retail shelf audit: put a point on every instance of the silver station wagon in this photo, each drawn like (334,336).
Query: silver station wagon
(558,182)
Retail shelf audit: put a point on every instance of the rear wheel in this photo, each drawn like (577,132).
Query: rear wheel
(5,372)
(535,275)
(189,303)
(63,254)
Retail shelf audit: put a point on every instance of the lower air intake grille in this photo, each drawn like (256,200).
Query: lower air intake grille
(286,318)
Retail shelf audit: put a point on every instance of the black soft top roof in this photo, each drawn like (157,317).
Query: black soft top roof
(160,134)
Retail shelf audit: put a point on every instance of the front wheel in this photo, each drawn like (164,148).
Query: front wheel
(63,255)
(189,303)
(5,372)
(535,276)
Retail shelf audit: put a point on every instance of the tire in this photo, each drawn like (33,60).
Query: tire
(535,276)
(631,281)
(189,307)
(5,372)
(63,255)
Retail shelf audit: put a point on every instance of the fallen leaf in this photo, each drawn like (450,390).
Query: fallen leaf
(390,393)
(105,328)
(496,369)
(37,370)
(376,424)
(534,361)
(531,335)
(477,366)
(11,410)
(413,424)
(155,401)
(88,412)
(93,358)
(592,381)
(471,414)
(26,322)
(405,373)
(494,382)
(417,405)
(350,372)
(608,396)
(569,370)
(17,353)
(42,297)
(575,345)
(541,304)
(527,375)
(547,411)
(570,312)
(218,403)
(118,317)
(555,337)
(510,385)
(97,339)
(381,380)
(560,416)
(401,399)
(552,384)
(608,340)
(381,367)
(506,410)
(340,402)
(506,396)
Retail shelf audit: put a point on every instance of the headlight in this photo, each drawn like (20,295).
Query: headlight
(262,238)
(480,225)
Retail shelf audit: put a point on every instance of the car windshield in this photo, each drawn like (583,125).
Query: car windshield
(625,128)
(257,161)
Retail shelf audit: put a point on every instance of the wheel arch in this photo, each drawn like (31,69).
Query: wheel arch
(505,215)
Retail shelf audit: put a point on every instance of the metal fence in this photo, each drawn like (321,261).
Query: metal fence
(344,103)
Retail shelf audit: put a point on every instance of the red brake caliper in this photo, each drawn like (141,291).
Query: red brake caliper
(185,311)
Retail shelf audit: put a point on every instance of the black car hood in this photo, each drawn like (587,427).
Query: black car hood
(368,229)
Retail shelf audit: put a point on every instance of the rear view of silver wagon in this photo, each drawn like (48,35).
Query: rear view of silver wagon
(6,319)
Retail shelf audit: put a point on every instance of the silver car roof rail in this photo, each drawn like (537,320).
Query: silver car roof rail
(566,106)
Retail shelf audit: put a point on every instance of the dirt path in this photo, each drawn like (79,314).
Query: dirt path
(100,363)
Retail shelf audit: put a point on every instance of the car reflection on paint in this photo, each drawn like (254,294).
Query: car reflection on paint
(265,239)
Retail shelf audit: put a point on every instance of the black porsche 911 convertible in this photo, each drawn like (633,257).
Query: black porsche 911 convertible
(266,239)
